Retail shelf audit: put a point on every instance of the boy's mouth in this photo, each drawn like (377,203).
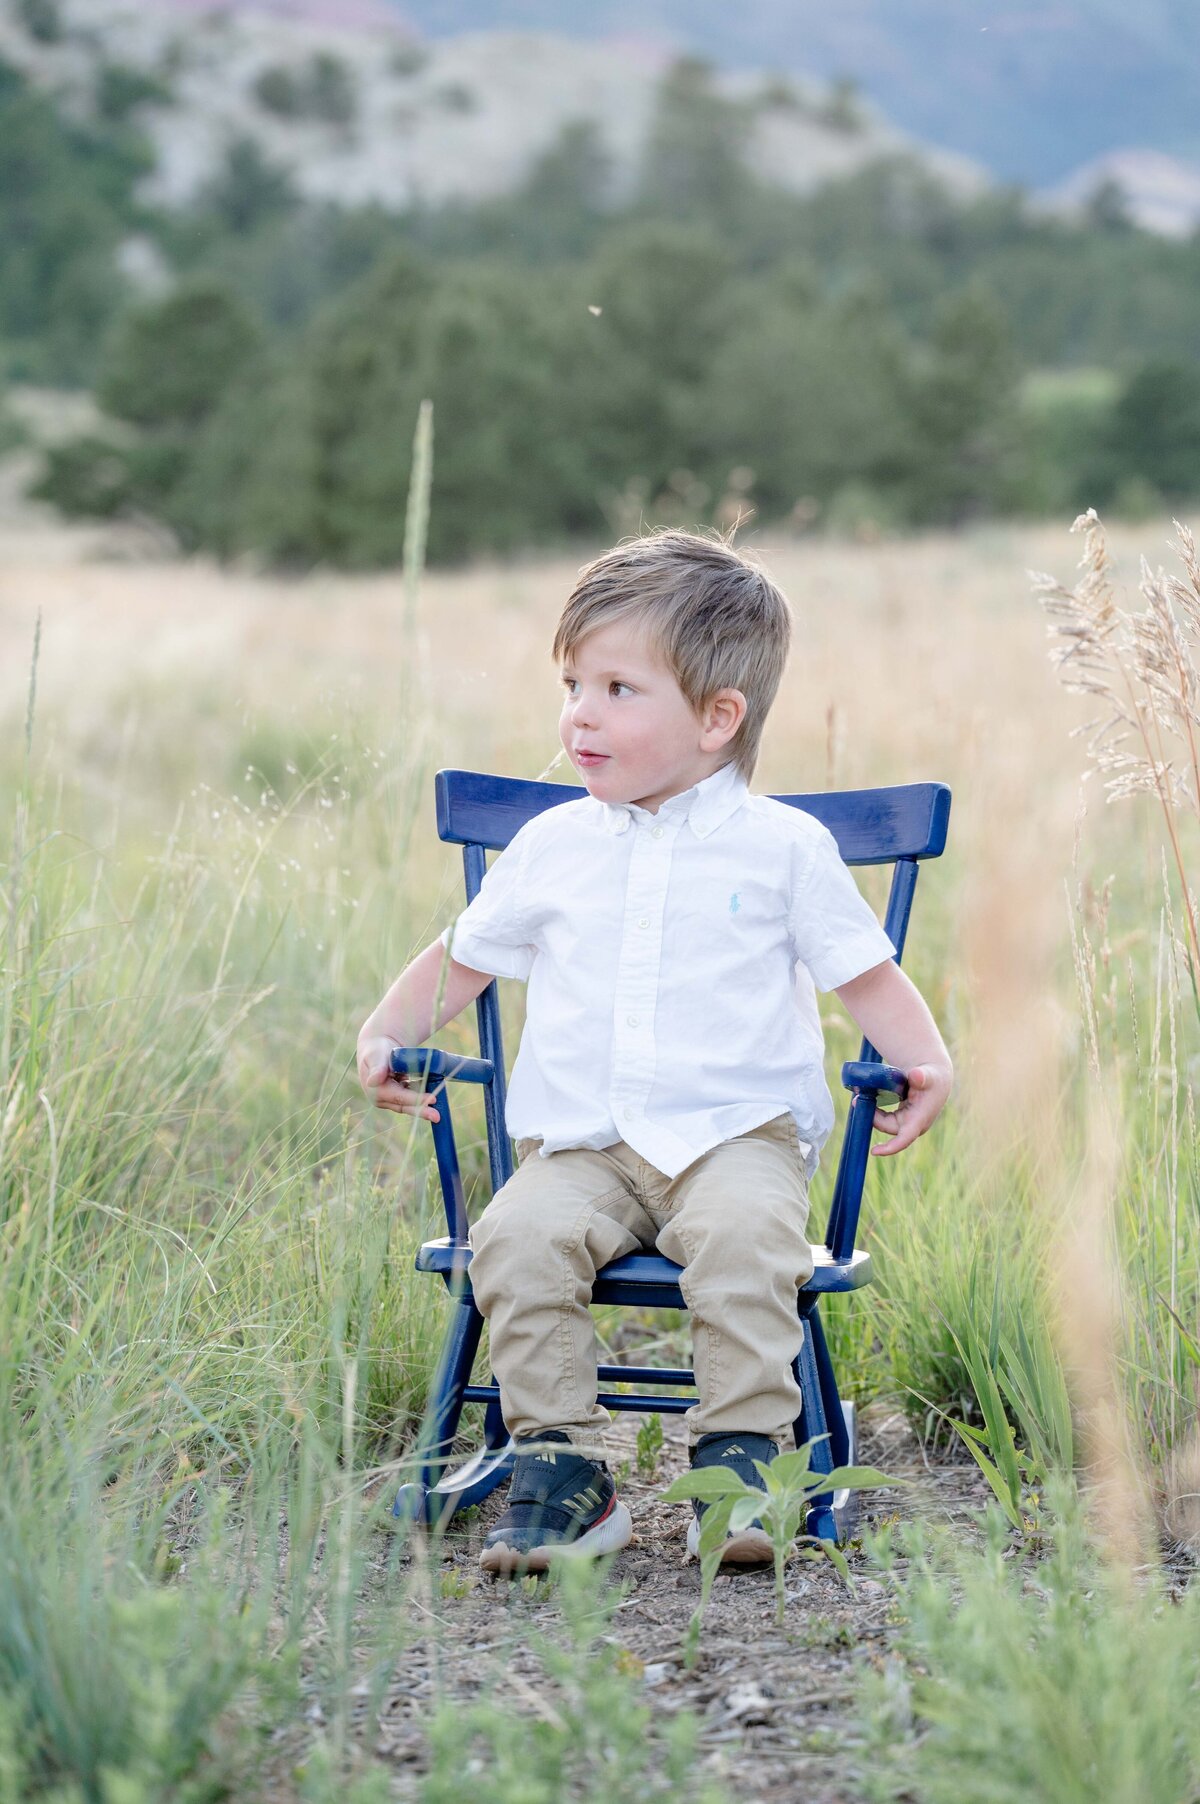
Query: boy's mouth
(589,760)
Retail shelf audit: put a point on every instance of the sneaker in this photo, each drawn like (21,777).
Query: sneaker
(736,1452)
(559,1504)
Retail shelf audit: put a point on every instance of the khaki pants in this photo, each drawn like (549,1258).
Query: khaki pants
(734,1220)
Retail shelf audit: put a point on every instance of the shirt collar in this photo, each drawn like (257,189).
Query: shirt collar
(705,806)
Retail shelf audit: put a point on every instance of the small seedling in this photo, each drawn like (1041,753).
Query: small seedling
(733,1505)
(452,1582)
(649,1447)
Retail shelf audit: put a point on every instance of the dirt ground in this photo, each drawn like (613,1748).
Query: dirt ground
(775,1704)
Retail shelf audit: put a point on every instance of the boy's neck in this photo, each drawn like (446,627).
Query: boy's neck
(658,802)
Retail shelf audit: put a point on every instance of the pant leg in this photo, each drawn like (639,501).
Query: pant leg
(735,1220)
(535,1253)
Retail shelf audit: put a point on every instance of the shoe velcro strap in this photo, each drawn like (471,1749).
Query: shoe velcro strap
(538,1521)
(736,1453)
(559,1480)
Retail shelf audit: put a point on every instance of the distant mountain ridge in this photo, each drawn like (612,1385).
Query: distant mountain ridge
(398,120)
(1031,90)
(442,104)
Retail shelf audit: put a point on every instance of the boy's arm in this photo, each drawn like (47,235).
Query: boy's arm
(893,1015)
(427,994)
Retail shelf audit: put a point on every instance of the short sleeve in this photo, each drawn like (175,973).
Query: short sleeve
(835,934)
(491,932)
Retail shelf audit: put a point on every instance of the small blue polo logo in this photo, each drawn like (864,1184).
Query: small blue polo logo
(734,903)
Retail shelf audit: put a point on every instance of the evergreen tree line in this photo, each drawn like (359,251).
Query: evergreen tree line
(701,345)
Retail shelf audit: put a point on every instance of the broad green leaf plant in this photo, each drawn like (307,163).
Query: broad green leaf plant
(733,1504)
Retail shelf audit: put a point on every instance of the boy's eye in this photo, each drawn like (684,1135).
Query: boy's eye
(570,684)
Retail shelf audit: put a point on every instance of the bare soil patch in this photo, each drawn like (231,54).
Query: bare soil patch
(775,1704)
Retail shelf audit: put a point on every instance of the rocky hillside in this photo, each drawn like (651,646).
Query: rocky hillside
(1031,90)
(360,109)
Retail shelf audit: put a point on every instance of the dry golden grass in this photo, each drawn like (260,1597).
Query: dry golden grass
(911,659)
(914,659)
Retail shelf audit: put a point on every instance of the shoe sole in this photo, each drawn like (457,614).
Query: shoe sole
(751,1548)
(612,1532)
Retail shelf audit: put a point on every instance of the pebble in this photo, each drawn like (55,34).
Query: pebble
(748,1704)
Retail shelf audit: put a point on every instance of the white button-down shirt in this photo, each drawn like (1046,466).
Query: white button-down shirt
(672,963)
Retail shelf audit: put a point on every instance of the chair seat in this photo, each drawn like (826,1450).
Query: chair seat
(651,1280)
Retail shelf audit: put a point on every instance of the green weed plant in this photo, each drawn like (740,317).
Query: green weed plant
(733,1504)
(649,1446)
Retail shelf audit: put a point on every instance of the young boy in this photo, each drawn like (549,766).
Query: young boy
(668,1092)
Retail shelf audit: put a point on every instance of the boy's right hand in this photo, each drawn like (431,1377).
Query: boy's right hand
(385,1090)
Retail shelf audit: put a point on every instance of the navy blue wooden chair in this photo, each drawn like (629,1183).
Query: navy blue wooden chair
(896,826)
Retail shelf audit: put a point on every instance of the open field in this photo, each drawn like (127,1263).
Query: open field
(161,685)
(214,1353)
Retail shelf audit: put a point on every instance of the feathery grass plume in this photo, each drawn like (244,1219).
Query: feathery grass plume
(1144,669)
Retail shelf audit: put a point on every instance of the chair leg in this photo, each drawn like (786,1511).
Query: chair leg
(480,1475)
(839,1445)
(495,1434)
(813,1425)
(444,1408)
(843,1431)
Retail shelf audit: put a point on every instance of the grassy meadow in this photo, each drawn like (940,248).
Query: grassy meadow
(220,847)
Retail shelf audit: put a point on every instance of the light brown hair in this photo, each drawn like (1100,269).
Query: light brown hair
(716,620)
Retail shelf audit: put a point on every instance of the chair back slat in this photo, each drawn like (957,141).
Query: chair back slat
(871,826)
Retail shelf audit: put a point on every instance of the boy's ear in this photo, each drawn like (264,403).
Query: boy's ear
(722,718)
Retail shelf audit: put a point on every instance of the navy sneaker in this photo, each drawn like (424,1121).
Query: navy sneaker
(559,1503)
(737,1453)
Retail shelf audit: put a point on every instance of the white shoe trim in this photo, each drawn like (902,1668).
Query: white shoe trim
(615,1532)
(750,1548)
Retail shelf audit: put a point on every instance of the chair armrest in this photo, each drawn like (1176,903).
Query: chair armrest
(868,1075)
(443,1067)
(429,1065)
(867,1080)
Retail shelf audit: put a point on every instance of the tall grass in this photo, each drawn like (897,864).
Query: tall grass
(213,1350)
(1074,1677)
(1016,1680)
(1141,667)
(209,1322)
(1005,1245)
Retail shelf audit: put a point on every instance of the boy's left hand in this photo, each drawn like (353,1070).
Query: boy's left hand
(928,1088)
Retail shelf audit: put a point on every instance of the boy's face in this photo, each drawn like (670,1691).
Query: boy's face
(627,726)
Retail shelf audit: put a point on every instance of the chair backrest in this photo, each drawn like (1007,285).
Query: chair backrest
(897,825)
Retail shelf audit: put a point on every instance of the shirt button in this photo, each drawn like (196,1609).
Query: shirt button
(656,832)
(631,1020)
(645,921)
